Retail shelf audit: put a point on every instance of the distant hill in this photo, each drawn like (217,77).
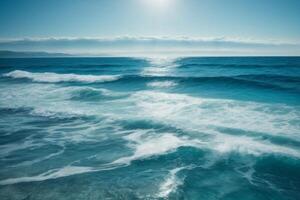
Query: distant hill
(19,54)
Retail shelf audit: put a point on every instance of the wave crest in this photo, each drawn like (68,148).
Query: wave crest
(50,77)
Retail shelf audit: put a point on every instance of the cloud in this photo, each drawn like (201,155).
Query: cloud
(152,45)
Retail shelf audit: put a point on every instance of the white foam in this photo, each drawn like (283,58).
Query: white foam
(247,145)
(50,100)
(200,115)
(162,84)
(211,116)
(170,184)
(65,171)
(50,77)
(12,147)
(194,113)
(51,174)
(146,145)
(86,88)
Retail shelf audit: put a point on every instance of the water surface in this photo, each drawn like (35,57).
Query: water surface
(154,128)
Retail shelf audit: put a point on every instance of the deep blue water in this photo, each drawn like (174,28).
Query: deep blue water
(154,128)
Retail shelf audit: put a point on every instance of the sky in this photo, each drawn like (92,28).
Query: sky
(37,24)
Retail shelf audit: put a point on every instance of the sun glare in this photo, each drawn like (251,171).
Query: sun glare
(158,4)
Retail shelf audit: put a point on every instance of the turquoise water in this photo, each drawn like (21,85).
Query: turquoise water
(152,128)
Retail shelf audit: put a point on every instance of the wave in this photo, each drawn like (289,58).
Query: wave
(51,174)
(147,143)
(162,78)
(240,63)
(92,94)
(252,146)
(268,81)
(237,66)
(194,113)
(264,81)
(38,160)
(162,84)
(50,77)
(200,119)
(171,183)
(175,109)
(9,148)
(146,146)
(53,101)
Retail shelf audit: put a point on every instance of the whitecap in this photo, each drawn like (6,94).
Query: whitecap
(12,147)
(170,184)
(51,174)
(246,145)
(146,145)
(50,100)
(195,113)
(205,116)
(65,171)
(162,84)
(50,77)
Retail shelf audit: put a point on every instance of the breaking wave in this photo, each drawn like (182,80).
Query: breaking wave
(169,128)
(49,77)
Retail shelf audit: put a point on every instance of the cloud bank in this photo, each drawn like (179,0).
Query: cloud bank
(152,45)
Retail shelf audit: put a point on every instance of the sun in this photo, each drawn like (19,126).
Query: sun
(158,4)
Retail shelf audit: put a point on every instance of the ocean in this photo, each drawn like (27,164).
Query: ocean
(150,128)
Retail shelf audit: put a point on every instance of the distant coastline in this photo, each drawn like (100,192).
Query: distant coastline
(28,54)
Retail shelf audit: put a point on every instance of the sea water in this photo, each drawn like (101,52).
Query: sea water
(150,128)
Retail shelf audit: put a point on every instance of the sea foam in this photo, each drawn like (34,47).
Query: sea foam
(145,145)
(196,113)
(171,183)
(51,174)
(50,77)
(162,84)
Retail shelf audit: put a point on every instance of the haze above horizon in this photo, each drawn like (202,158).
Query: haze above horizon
(244,27)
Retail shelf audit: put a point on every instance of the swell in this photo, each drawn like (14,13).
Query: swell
(49,116)
(50,77)
(276,82)
(149,147)
(92,94)
(241,66)
(242,62)
(264,81)
(282,140)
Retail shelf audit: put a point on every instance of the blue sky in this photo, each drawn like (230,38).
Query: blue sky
(251,21)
